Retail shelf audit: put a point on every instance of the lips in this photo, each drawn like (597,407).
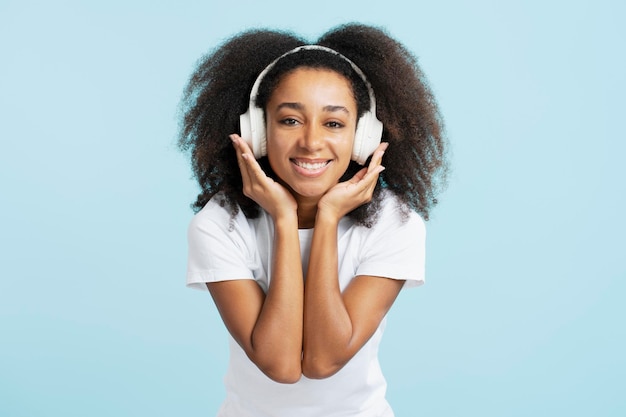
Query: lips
(310,167)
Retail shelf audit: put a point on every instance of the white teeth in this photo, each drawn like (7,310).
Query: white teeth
(311,166)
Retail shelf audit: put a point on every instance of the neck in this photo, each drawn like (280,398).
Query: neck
(307,210)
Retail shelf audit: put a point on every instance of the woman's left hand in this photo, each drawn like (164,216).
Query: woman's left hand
(346,196)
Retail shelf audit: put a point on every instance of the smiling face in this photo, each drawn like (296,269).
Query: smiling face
(311,120)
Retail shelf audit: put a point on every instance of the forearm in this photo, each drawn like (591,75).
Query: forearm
(327,324)
(277,336)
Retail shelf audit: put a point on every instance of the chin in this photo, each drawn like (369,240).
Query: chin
(308,192)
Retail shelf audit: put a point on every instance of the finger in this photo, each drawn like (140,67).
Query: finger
(366,176)
(372,173)
(242,144)
(377,156)
(241,159)
(375,167)
(254,170)
(358,177)
(364,182)
(375,176)
(369,181)
(250,167)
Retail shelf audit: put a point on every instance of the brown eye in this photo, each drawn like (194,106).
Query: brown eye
(289,122)
(334,125)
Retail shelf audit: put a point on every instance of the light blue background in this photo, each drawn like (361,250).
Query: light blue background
(523,312)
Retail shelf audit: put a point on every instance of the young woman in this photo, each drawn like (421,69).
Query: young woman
(303,238)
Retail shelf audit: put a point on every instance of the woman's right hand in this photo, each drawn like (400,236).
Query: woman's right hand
(267,324)
(267,193)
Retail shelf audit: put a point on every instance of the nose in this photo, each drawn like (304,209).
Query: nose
(312,137)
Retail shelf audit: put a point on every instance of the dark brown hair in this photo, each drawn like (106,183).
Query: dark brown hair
(219,91)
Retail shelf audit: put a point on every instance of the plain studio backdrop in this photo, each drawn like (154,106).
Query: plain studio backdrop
(523,310)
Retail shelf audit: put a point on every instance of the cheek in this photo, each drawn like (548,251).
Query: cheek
(346,146)
(276,154)
(274,143)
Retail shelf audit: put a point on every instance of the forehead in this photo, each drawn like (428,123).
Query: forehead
(309,81)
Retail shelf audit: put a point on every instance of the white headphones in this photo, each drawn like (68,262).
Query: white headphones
(369,129)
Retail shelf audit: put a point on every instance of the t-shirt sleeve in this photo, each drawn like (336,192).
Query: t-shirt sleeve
(218,248)
(395,247)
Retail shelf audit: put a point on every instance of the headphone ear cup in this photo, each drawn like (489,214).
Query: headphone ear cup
(369,132)
(245,128)
(252,127)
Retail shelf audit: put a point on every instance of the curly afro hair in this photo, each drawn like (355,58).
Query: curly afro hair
(219,91)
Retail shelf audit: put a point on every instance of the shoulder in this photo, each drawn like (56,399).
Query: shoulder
(396,214)
(215,211)
(396,224)
(217,218)
(394,247)
(221,245)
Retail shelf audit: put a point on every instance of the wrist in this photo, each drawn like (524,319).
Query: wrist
(326,216)
(286,220)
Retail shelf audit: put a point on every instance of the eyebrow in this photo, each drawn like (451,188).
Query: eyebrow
(300,106)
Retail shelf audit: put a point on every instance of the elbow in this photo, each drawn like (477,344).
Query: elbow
(283,367)
(283,377)
(282,373)
(318,369)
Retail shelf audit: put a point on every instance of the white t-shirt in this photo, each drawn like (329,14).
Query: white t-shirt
(222,248)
